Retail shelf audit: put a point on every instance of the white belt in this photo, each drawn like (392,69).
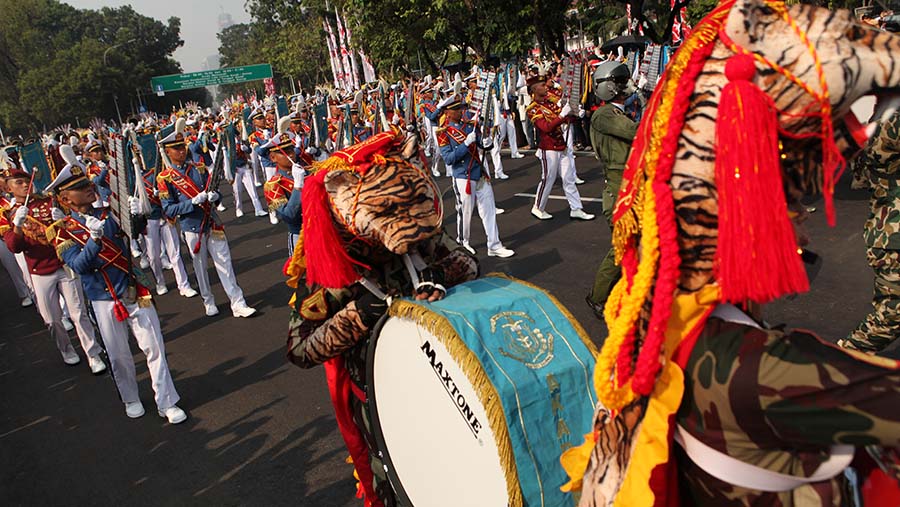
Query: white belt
(736,472)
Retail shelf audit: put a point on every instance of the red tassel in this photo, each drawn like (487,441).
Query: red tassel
(468,187)
(757,252)
(327,262)
(119,311)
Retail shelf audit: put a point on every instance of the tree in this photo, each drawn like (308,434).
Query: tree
(56,68)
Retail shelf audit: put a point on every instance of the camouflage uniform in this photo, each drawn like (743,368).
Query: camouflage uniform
(779,400)
(612,133)
(881,163)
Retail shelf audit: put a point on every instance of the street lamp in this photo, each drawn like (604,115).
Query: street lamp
(105,53)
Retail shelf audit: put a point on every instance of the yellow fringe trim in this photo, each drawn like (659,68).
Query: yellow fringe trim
(274,204)
(297,267)
(441,328)
(62,247)
(331,163)
(51,231)
(145,301)
(163,195)
(4,229)
(217,234)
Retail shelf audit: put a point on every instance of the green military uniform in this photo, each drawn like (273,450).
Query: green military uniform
(881,163)
(611,135)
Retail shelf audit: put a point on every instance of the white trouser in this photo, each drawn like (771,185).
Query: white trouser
(255,168)
(144,324)
(15,272)
(244,176)
(158,238)
(569,132)
(506,127)
(430,148)
(221,257)
(47,292)
(436,150)
(23,268)
(482,196)
(552,164)
(292,242)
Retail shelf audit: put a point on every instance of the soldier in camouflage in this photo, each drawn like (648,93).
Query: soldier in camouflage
(881,164)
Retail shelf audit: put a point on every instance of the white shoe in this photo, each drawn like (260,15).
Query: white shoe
(145,263)
(501,176)
(517,155)
(188,293)
(258,184)
(238,212)
(221,207)
(261,213)
(436,173)
(273,219)
(580,215)
(174,414)
(27,301)
(70,357)
(97,365)
(499,211)
(541,214)
(134,409)
(501,252)
(469,248)
(136,253)
(67,324)
(212,311)
(243,311)
(167,266)
(161,289)
(579,181)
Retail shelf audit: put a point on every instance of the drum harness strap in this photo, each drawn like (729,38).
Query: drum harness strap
(414,264)
(739,473)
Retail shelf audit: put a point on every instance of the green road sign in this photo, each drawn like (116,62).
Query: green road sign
(230,75)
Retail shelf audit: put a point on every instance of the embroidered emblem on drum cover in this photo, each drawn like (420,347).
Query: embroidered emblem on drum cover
(524,342)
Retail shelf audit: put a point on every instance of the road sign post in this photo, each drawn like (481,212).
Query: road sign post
(229,75)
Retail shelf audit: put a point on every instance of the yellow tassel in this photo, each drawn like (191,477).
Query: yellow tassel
(274,204)
(441,328)
(62,247)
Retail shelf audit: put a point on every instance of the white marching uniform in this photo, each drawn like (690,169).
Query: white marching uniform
(482,196)
(48,289)
(144,325)
(161,237)
(557,163)
(217,249)
(23,289)
(244,176)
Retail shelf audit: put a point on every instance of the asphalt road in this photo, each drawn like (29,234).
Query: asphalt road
(261,431)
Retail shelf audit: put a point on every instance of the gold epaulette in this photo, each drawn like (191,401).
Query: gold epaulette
(63,246)
(277,203)
(50,232)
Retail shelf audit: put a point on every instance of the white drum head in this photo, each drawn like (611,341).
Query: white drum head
(431,426)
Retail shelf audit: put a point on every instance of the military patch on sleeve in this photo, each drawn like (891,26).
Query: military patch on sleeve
(314,306)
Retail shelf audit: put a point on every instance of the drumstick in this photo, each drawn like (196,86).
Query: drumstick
(34,171)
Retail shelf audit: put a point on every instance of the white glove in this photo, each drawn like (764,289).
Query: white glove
(395,120)
(298,173)
(200,198)
(155,192)
(134,206)
(19,216)
(470,139)
(565,111)
(487,143)
(101,164)
(95,226)
(368,124)
(57,214)
(212,196)
(136,162)
(580,112)
(312,150)
(642,82)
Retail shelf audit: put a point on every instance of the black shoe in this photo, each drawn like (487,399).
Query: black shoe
(596,308)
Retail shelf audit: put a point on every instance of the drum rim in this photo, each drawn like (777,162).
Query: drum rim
(377,433)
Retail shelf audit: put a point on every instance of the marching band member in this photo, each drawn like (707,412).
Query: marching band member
(183,191)
(361,130)
(24,230)
(89,241)
(259,137)
(243,175)
(8,258)
(282,191)
(160,237)
(470,180)
(548,118)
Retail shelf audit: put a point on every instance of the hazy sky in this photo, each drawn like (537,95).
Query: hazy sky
(199,22)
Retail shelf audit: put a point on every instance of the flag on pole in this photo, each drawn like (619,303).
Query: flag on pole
(353,67)
(349,78)
(331,53)
(339,67)
(677,25)
(368,69)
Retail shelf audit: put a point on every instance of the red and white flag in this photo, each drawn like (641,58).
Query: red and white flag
(339,77)
(354,71)
(349,79)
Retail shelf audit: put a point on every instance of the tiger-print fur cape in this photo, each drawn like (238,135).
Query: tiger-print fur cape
(856,60)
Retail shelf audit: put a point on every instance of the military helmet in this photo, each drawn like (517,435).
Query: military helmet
(611,79)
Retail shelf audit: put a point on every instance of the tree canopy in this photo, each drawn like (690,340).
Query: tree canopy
(59,64)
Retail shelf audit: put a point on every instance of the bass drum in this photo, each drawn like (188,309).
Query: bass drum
(439,406)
